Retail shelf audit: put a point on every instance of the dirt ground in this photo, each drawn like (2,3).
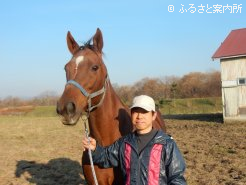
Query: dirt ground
(215,153)
(42,151)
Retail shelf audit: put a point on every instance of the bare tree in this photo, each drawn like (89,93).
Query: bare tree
(170,86)
(124,92)
(197,85)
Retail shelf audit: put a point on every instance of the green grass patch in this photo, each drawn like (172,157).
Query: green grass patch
(204,101)
(190,106)
(43,111)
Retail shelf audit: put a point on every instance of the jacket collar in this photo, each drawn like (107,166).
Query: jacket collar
(160,138)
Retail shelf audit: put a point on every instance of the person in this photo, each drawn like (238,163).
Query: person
(146,155)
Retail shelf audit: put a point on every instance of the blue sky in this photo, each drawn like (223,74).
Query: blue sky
(141,39)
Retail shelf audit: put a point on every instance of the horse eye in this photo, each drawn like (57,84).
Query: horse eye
(95,68)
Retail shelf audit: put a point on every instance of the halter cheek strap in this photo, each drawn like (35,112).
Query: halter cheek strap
(92,95)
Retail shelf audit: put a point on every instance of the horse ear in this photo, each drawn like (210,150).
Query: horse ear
(98,40)
(71,43)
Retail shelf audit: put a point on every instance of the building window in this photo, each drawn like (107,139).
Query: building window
(241,81)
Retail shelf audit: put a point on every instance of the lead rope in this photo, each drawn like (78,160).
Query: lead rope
(84,118)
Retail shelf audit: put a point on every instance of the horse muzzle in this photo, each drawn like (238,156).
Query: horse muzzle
(68,113)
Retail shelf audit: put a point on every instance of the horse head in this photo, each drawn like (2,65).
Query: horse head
(86,77)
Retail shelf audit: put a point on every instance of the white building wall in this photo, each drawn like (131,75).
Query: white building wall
(234,95)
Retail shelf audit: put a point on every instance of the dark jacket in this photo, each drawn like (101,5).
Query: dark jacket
(159,163)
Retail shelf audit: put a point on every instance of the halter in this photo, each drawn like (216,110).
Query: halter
(92,95)
(85,117)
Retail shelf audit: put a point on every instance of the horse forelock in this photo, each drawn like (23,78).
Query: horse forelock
(88,45)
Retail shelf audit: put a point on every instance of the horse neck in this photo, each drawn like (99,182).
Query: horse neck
(104,120)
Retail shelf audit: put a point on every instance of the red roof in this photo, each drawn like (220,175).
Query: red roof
(233,46)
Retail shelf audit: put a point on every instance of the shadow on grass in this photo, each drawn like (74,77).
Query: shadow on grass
(218,117)
(61,171)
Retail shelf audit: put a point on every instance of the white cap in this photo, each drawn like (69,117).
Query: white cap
(144,102)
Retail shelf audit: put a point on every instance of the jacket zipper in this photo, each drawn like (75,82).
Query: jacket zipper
(138,172)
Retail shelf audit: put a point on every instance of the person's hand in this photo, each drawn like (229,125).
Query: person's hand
(86,144)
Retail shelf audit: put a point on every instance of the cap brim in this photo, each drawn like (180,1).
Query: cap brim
(143,107)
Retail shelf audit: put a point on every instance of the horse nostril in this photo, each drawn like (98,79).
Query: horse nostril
(70,107)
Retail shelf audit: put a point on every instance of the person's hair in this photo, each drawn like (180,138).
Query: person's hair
(153,112)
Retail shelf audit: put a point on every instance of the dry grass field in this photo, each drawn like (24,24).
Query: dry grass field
(42,151)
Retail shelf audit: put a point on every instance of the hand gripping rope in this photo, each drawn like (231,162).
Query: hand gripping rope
(84,118)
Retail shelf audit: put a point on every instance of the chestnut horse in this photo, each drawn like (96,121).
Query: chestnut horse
(88,89)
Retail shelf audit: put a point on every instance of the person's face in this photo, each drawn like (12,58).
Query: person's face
(142,120)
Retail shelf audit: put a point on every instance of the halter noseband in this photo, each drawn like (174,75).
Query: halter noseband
(92,95)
